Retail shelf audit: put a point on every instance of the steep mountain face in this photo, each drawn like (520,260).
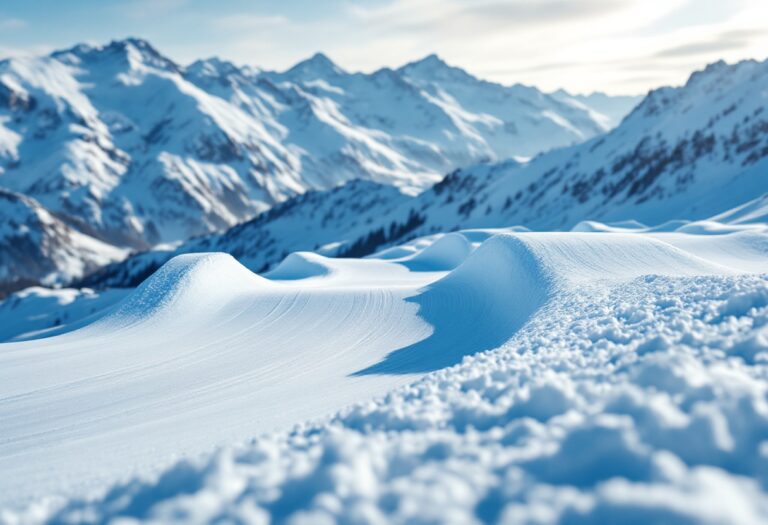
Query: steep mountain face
(684,153)
(514,121)
(35,246)
(125,145)
(321,221)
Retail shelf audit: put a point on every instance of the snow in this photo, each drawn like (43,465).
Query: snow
(475,376)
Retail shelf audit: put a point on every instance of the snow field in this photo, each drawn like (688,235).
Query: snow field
(634,404)
(565,378)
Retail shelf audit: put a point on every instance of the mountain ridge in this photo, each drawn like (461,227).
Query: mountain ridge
(134,149)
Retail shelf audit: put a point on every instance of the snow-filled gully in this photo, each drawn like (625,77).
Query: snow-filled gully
(206,353)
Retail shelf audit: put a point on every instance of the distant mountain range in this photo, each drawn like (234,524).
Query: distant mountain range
(130,147)
(125,146)
(684,153)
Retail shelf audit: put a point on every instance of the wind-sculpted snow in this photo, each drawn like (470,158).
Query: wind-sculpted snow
(301,265)
(596,378)
(446,253)
(188,286)
(478,306)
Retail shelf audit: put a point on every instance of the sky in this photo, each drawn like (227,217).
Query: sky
(615,46)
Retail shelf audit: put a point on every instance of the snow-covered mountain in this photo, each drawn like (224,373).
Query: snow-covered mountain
(126,145)
(35,246)
(684,153)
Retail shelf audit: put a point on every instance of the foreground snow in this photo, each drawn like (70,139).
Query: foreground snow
(620,377)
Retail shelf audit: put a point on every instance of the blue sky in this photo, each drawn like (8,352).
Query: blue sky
(620,46)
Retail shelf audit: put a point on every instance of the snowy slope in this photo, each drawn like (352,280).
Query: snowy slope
(684,153)
(587,340)
(35,246)
(126,145)
(600,412)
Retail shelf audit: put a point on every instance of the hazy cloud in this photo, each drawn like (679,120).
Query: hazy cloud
(251,22)
(142,9)
(10,23)
(726,41)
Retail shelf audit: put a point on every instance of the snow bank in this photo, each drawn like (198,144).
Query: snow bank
(188,286)
(446,253)
(583,257)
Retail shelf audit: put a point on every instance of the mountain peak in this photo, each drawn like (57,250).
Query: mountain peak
(132,49)
(433,67)
(431,61)
(317,65)
(212,67)
(321,58)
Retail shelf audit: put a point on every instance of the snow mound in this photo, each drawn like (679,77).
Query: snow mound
(621,226)
(495,291)
(478,306)
(717,228)
(583,257)
(187,286)
(301,265)
(446,253)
